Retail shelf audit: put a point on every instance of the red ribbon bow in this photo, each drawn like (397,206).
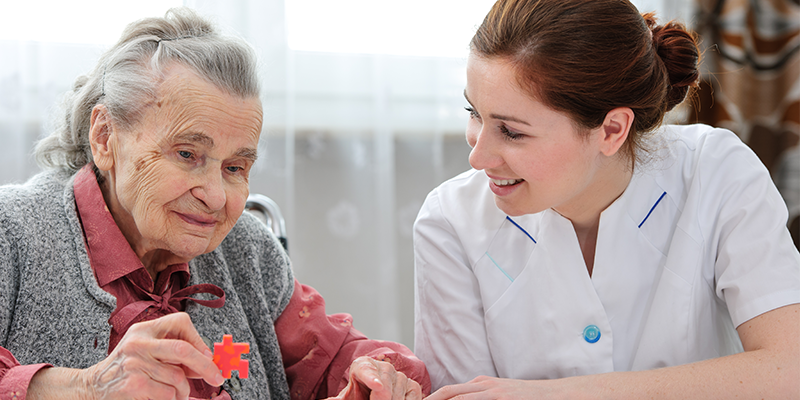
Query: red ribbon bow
(151,305)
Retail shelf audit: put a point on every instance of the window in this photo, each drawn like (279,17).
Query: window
(409,27)
(75,21)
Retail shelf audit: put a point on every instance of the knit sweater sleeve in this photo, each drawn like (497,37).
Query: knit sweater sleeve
(14,378)
(318,348)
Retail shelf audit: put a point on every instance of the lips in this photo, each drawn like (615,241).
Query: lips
(506,182)
(198,220)
(504,187)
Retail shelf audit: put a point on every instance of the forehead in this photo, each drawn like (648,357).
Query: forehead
(185,101)
(493,76)
(492,83)
(494,90)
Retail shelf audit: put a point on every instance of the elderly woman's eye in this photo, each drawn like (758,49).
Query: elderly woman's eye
(185,154)
(234,169)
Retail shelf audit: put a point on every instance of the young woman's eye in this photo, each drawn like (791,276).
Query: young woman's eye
(510,135)
(472,112)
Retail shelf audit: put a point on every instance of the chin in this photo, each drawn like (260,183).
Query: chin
(193,247)
(516,214)
(512,210)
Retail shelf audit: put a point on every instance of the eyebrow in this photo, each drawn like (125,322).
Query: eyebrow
(203,139)
(498,116)
(195,137)
(247,153)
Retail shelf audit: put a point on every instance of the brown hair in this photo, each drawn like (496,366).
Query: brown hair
(587,57)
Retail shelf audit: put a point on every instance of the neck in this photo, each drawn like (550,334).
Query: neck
(158,260)
(608,184)
(584,211)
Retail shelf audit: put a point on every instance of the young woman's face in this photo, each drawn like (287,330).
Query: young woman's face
(534,156)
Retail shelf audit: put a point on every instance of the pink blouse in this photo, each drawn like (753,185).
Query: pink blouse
(317,349)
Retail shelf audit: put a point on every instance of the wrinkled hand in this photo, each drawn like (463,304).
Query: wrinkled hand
(378,380)
(153,361)
(484,387)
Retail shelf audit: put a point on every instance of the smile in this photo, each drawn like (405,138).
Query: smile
(506,182)
(198,220)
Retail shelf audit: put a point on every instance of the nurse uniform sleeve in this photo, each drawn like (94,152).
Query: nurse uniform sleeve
(757,267)
(450,336)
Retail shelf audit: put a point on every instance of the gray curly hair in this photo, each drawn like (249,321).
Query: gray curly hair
(126,78)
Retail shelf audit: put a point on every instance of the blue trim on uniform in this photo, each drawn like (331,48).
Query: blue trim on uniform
(652,208)
(520,228)
(498,267)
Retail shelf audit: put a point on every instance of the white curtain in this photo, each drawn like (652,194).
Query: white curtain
(351,146)
(666,10)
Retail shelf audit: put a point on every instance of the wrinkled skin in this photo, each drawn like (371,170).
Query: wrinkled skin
(152,362)
(378,380)
(176,183)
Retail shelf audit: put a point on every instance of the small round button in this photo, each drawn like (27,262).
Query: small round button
(591,334)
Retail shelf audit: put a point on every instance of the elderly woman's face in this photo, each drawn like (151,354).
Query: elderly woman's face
(178,181)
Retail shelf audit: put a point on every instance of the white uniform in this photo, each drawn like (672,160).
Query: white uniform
(696,245)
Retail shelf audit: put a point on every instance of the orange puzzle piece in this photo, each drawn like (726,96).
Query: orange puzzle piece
(228,357)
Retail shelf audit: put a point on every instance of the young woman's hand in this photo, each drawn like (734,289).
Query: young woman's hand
(484,387)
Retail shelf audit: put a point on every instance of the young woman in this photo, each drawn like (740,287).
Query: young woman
(591,244)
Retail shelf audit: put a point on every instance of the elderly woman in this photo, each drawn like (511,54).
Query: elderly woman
(140,210)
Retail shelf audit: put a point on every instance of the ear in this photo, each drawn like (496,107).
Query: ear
(101,132)
(615,130)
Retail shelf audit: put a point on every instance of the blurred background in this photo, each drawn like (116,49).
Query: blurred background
(364,113)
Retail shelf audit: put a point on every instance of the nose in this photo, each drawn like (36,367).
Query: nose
(211,191)
(484,154)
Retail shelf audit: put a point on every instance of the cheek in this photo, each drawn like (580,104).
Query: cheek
(236,199)
(236,203)
(152,186)
(234,207)
(554,164)
(572,164)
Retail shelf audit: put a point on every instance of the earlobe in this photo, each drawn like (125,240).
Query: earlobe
(100,134)
(616,128)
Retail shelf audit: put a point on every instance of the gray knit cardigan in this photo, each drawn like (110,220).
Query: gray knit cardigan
(53,311)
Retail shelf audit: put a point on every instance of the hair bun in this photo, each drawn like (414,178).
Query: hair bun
(677,48)
(80,82)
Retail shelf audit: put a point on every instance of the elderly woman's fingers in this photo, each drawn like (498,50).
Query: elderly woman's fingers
(177,343)
(378,380)
(413,390)
(173,326)
(194,363)
(154,360)
(406,388)
(170,380)
(366,371)
(399,385)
